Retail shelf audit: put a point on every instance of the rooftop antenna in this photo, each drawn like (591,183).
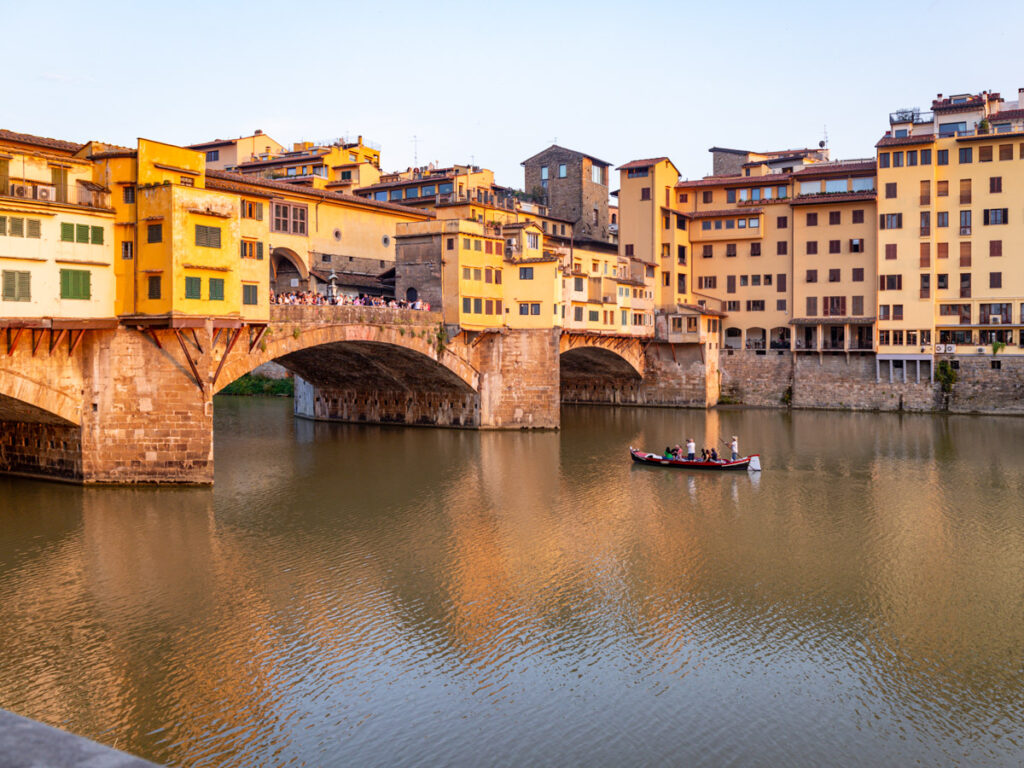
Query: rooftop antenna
(415,151)
(824,141)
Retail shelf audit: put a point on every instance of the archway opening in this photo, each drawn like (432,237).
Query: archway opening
(287,272)
(596,375)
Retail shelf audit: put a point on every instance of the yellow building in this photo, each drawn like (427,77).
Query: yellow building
(222,154)
(56,236)
(948,231)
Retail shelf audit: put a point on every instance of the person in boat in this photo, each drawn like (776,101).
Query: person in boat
(691,449)
(677,452)
(734,446)
(713,455)
(668,453)
(704,454)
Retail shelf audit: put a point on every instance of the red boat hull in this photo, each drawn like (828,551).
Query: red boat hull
(657,460)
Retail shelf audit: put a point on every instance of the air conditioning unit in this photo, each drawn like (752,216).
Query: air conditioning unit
(950,349)
(21,190)
(995,319)
(940,348)
(46,193)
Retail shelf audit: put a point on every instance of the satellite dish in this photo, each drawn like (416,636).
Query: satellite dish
(821,144)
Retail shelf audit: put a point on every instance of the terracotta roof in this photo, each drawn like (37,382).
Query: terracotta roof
(843,167)
(702,310)
(834,197)
(404,182)
(771,180)
(597,160)
(113,153)
(39,141)
(236,182)
(895,141)
(1007,114)
(722,212)
(641,163)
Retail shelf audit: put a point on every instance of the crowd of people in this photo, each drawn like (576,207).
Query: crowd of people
(314,299)
(706,454)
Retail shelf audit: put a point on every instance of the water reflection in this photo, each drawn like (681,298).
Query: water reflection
(363,595)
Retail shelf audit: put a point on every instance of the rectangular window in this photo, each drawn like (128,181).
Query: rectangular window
(833,275)
(942,281)
(965,285)
(985,154)
(629,249)
(127,250)
(75,284)
(707,196)
(812,306)
(995,279)
(812,247)
(730,249)
(707,251)
(897,159)
(17,285)
(926,286)
(128,194)
(995,184)
(526,273)
(890,189)
(926,157)
(561,170)
(858,305)
(645,193)
(467,307)
(780,305)
(995,247)
(911,157)
(81,233)
(782,248)
(890,251)
(942,157)
(812,219)
(153,284)
(216,289)
(965,222)
(926,223)
(782,222)
(965,191)
(891,221)
(857,245)
(883,159)
(154,233)
(925,256)
(1006,151)
(966,155)
(995,216)
(942,219)
(755,249)
(834,246)
(812,275)
(193,287)
(780,282)
(532,240)
(207,237)
(835,217)
(250,295)
(858,274)
(478,306)
(67,232)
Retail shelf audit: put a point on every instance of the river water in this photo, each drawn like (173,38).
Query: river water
(359,596)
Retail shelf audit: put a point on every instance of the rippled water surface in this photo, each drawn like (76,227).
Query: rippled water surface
(365,596)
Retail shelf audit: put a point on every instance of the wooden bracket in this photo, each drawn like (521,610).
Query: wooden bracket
(74,341)
(231,339)
(195,338)
(60,337)
(188,357)
(216,337)
(37,341)
(152,335)
(13,344)
(254,342)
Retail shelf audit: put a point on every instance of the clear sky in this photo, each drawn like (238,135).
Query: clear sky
(495,83)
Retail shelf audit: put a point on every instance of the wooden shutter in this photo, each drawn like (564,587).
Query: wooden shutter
(81,233)
(241,249)
(33,228)
(259,251)
(3,225)
(97,236)
(67,232)
(10,285)
(216,289)
(17,227)
(259,213)
(65,284)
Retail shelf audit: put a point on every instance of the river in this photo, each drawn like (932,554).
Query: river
(356,595)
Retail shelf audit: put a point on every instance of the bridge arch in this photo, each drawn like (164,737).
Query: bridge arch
(25,398)
(600,369)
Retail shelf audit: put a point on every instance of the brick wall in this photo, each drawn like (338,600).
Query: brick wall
(833,381)
(40,449)
(675,375)
(753,379)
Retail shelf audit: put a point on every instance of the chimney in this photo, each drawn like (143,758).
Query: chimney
(1020,98)
(259,132)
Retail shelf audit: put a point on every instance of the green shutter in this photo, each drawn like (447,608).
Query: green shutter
(193,288)
(259,250)
(3,225)
(241,249)
(154,286)
(75,284)
(81,233)
(249,294)
(67,232)
(24,288)
(17,227)
(65,284)
(259,212)
(97,235)
(10,285)
(216,289)
(85,284)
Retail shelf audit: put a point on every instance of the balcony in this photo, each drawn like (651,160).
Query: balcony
(914,116)
(84,193)
(926,231)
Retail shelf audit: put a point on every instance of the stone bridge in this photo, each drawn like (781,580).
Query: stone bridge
(128,404)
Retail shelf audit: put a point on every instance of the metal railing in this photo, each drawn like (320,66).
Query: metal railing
(46,192)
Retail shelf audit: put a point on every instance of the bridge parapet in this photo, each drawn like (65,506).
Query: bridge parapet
(348,315)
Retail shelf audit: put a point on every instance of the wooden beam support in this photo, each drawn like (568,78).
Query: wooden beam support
(74,341)
(60,337)
(188,357)
(13,344)
(216,337)
(151,332)
(195,338)
(254,342)
(37,341)
(231,339)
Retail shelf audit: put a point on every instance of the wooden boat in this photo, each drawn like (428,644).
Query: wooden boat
(752,462)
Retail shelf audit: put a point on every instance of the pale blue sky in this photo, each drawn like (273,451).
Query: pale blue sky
(497,83)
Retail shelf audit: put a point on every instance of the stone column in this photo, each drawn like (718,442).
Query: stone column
(519,379)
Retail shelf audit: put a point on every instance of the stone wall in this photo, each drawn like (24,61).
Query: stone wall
(144,418)
(982,389)
(519,381)
(835,381)
(41,450)
(675,375)
(756,379)
(372,406)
